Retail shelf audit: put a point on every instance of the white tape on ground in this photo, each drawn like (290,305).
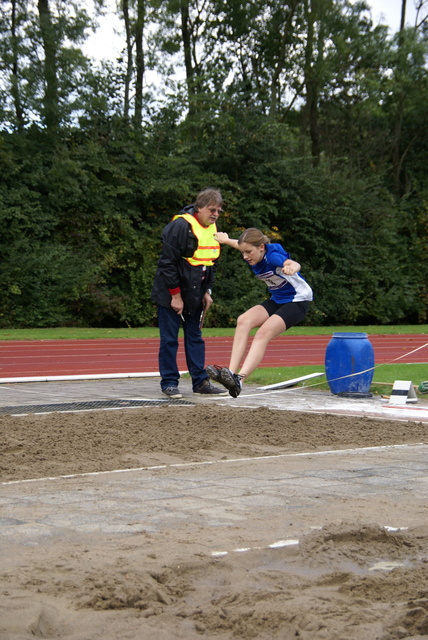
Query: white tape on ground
(292,542)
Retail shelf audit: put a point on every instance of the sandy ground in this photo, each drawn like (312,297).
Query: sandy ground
(349,579)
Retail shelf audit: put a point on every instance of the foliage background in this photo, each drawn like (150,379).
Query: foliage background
(311,120)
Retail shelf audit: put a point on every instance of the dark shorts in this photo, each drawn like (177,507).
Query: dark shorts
(290,312)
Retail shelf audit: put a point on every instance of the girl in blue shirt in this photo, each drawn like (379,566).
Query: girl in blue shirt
(288,305)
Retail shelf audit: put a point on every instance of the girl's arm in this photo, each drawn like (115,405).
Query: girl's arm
(223,238)
(290,267)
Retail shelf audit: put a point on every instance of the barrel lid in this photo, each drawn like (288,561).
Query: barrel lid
(351,335)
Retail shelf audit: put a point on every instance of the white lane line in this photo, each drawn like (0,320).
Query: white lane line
(88,376)
(184,465)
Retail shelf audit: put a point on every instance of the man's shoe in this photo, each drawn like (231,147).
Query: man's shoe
(207,389)
(232,381)
(172,392)
(213,371)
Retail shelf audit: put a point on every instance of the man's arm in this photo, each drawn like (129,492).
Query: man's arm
(174,243)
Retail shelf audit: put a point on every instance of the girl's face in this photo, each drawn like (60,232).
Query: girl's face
(252,254)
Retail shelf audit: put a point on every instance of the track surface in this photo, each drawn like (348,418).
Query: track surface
(85,357)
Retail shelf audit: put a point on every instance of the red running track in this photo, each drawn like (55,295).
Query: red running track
(40,358)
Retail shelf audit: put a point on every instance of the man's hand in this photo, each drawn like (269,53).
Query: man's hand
(177,303)
(207,301)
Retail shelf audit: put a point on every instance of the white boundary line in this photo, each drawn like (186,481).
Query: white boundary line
(48,413)
(152,402)
(183,465)
(337,412)
(89,376)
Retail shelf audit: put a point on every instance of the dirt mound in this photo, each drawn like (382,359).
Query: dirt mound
(40,445)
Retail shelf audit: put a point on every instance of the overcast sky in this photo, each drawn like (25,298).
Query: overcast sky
(105,44)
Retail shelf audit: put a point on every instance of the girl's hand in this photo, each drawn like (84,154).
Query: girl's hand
(221,237)
(290,267)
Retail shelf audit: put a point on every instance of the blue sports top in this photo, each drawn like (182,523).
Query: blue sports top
(282,288)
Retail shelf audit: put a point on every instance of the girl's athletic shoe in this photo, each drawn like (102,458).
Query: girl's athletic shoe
(232,382)
(213,371)
(207,389)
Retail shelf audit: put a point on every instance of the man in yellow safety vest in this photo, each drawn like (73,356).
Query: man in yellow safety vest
(182,290)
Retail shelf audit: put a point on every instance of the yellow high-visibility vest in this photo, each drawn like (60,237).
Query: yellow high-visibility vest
(208,248)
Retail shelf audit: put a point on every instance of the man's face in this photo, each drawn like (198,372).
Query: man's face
(209,214)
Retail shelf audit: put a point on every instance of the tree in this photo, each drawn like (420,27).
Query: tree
(129,57)
(409,72)
(313,70)
(13,52)
(50,47)
(138,20)
(139,61)
(14,81)
(40,74)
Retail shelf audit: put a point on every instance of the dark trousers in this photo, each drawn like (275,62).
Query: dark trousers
(169,324)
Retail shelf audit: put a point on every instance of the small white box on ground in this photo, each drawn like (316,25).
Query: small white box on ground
(403,392)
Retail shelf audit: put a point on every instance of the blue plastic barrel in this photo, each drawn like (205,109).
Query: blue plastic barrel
(349,362)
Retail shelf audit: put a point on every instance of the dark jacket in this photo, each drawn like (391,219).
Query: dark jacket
(178,242)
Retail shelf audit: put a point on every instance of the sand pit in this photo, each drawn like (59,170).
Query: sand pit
(326,568)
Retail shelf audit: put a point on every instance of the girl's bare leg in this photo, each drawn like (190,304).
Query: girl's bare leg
(271,328)
(252,318)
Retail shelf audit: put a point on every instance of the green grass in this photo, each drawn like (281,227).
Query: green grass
(66,333)
(383,378)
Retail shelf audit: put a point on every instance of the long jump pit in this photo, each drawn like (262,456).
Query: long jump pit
(208,518)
